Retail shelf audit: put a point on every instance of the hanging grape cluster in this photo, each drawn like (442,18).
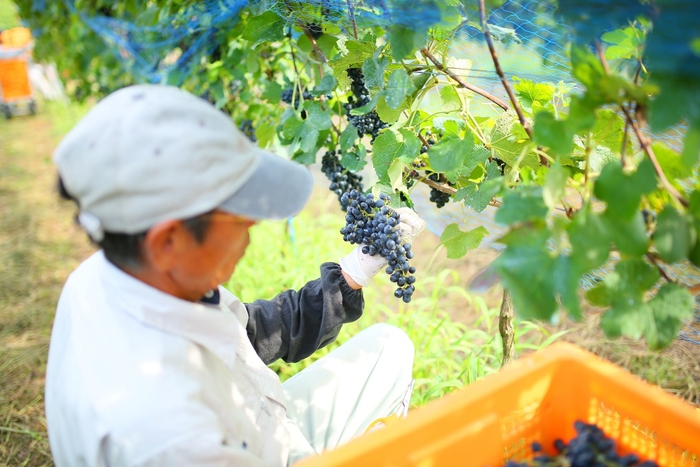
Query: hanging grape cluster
(288,94)
(342,180)
(247,128)
(590,447)
(373,224)
(437,196)
(370,123)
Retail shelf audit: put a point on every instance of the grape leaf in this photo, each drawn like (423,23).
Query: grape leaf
(272,92)
(355,160)
(450,98)
(521,205)
(317,117)
(555,185)
(658,320)
(388,147)
(367,108)
(449,153)
(387,114)
(480,198)
(462,193)
(589,243)
(670,162)
(268,27)
(599,158)
(357,53)
(667,309)
(265,132)
(691,146)
(625,43)
(458,242)
(672,236)
(398,88)
(404,40)
(395,174)
(552,133)
(348,137)
(492,170)
(527,269)
(327,85)
(623,192)
(439,123)
(629,235)
(308,136)
(533,95)
(509,140)
(373,70)
(566,276)
(412,146)
(608,130)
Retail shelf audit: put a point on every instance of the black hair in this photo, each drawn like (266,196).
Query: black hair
(124,250)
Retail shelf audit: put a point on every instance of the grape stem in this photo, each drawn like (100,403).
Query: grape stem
(445,188)
(320,55)
(499,71)
(426,53)
(643,141)
(652,257)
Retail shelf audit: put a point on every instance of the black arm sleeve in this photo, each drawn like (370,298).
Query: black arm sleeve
(295,324)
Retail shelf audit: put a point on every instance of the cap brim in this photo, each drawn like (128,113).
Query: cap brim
(277,189)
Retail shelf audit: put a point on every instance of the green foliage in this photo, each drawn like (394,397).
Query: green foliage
(570,197)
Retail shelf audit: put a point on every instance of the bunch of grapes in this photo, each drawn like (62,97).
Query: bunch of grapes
(247,128)
(437,196)
(589,448)
(288,94)
(370,123)
(342,181)
(373,224)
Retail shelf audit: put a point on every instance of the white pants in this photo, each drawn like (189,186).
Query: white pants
(337,397)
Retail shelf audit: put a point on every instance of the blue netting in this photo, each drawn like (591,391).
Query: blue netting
(532,45)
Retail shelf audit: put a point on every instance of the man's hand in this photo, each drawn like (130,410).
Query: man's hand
(362,267)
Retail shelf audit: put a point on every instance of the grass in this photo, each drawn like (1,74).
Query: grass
(38,248)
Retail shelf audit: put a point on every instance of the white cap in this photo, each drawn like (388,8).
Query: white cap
(150,153)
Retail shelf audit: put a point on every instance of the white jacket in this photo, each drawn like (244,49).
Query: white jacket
(137,377)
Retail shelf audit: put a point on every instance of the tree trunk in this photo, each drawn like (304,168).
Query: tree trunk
(505,326)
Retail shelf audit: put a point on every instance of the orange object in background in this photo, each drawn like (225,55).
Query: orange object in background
(14,80)
(537,398)
(15,88)
(15,37)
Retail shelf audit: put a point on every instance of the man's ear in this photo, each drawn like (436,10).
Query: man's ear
(164,244)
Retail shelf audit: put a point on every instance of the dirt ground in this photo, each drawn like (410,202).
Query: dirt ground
(40,246)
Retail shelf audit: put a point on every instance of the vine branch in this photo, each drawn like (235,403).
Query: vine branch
(438,64)
(499,71)
(351,15)
(643,141)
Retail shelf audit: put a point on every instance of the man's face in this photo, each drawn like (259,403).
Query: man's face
(194,268)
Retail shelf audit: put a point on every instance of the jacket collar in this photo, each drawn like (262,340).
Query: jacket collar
(209,325)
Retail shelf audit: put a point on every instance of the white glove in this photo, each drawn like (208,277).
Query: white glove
(362,267)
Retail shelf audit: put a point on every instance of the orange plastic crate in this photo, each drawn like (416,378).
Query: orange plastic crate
(14,80)
(537,398)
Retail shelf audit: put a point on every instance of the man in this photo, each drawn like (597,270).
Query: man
(152,362)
